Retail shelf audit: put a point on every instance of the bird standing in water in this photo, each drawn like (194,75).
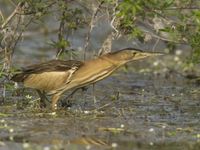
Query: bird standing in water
(56,76)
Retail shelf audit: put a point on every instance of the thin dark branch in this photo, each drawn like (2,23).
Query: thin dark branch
(18,38)
(19,6)
(30,12)
(179,8)
(164,39)
(91,25)
(60,35)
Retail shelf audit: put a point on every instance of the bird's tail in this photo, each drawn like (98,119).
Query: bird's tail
(19,77)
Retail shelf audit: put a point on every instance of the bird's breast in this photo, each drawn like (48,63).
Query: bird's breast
(47,81)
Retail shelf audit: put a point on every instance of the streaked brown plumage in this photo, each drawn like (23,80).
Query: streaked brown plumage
(57,76)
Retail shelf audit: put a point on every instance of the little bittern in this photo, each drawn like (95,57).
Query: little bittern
(56,76)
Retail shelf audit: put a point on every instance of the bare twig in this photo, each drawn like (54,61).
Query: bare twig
(106,46)
(30,12)
(12,14)
(1,14)
(91,26)
(112,24)
(60,35)
(103,106)
(20,35)
(180,8)
(164,39)
(1,50)
(12,3)
(9,38)
(114,17)
(157,41)
(9,18)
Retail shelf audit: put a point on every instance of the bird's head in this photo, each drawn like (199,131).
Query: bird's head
(131,54)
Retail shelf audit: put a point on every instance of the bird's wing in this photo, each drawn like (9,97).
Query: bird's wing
(50,66)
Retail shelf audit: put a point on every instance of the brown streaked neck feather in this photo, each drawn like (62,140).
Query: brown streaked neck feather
(109,59)
(113,58)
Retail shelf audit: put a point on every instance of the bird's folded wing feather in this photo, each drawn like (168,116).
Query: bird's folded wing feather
(50,66)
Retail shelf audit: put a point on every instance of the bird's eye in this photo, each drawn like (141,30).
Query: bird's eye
(134,53)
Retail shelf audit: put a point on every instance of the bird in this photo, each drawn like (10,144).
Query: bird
(54,77)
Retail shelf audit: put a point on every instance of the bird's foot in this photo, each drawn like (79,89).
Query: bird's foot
(66,104)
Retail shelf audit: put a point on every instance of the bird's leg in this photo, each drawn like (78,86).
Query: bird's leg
(70,95)
(54,100)
(43,99)
(83,95)
(93,93)
(67,102)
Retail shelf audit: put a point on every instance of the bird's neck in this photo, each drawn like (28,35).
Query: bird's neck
(113,60)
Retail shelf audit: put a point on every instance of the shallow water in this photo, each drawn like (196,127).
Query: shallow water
(133,111)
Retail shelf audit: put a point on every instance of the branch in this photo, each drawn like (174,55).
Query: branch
(163,39)
(12,3)
(106,46)
(180,8)
(30,12)
(153,34)
(19,6)
(20,35)
(1,14)
(114,17)
(91,26)
(60,34)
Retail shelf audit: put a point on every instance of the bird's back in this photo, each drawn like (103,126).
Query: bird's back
(49,75)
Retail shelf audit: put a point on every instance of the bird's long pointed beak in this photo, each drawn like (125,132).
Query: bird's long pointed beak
(152,54)
(146,54)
